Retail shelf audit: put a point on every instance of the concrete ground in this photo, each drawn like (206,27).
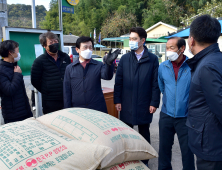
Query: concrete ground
(154,130)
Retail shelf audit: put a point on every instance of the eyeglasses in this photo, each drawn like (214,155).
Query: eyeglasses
(85,47)
(52,41)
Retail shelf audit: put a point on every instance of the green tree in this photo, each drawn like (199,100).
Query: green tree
(166,11)
(213,8)
(19,15)
(118,24)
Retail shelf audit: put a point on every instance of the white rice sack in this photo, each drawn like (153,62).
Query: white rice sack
(99,128)
(130,165)
(29,145)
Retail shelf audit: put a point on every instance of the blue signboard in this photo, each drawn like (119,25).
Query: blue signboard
(68,9)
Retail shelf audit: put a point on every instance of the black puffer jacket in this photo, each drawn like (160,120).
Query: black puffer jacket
(47,78)
(14,100)
(204,119)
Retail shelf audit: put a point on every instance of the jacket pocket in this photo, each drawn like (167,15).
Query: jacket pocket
(195,132)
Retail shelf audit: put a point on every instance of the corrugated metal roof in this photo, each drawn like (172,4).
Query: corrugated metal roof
(186,32)
(70,38)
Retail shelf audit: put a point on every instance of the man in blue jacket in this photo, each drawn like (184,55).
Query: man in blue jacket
(205,100)
(82,81)
(174,82)
(136,91)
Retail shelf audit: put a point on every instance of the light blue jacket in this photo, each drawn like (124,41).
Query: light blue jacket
(175,93)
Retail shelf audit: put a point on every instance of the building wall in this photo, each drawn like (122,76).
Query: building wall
(160,31)
(126,44)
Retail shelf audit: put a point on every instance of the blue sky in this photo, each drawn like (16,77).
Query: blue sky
(29,2)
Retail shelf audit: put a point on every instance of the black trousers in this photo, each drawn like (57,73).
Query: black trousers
(208,165)
(168,126)
(144,130)
(52,106)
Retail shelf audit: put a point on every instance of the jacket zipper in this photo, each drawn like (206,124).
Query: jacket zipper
(175,90)
(175,98)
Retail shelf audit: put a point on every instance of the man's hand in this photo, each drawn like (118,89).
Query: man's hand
(17,69)
(152,109)
(118,107)
(112,56)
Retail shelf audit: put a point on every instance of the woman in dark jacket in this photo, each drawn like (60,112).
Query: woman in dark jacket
(14,100)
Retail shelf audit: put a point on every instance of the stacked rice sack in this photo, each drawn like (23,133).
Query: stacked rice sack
(98,128)
(29,145)
(130,165)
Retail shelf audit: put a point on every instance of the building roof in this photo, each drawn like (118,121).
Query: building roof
(117,39)
(125,35)
(186,32)
(70,38)
(161,23)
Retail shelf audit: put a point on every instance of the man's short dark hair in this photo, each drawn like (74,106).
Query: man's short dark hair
(140,31)
(7,46)
(49,35)
(205,29)
(180,41)
(83,39)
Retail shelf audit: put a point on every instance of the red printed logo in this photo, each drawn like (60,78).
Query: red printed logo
(122,166)
(31,162)
(114,129)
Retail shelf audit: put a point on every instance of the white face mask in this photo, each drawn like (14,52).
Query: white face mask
(134,45)
(173,56)
(86,54)
(189,50)
(17,58)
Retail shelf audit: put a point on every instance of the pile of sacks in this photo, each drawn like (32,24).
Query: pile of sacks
(73,139)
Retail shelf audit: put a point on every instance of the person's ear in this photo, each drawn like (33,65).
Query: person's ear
(192,41)
(183,48)
(143,40)
(77,50)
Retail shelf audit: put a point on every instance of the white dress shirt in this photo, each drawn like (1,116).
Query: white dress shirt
(138,56)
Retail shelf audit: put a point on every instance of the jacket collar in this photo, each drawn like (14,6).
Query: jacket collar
(145,56)
(7,64)
(194,61)
(59,54)
(92,61)
(169,63)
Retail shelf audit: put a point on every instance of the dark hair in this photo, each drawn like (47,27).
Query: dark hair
(82,40)
(7,46)
(49,35)
(105,52)
(205,29)
(180,41)
(140,31)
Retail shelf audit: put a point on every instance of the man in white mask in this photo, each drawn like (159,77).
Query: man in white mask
(136,91)
(82,81)
(174,78)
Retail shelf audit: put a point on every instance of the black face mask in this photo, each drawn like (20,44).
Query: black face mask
(54,48)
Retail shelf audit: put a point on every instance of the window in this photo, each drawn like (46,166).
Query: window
(161,48)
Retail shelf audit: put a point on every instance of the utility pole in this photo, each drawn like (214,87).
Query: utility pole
(33,14)
(60,14)
(38,95)
(3,16)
